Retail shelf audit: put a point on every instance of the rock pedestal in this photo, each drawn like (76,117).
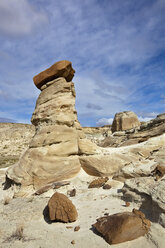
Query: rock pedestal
(53,153)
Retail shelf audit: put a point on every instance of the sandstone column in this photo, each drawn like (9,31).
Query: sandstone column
(53,153)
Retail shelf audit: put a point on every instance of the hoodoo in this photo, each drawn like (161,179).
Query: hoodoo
(53,152)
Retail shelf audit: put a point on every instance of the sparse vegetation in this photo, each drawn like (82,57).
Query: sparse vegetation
(8,160)
(17,234)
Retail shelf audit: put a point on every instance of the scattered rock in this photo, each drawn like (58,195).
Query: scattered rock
(72,192)
(122,227)
(99,182)
(61,208)
(73,242)
(69,227)
(127,204)
(107,186)
(77,228)
(55,185)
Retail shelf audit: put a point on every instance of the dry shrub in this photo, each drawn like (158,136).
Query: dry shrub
(17,234)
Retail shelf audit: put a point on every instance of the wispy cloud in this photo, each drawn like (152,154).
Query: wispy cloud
(19,17)
(104,121)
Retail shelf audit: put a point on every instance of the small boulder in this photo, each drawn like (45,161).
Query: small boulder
(107,186)
(72,192)
(122,227)
(77,228)
(99,182)
(61,208)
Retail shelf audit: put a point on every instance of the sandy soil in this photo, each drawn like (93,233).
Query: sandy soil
(30,213)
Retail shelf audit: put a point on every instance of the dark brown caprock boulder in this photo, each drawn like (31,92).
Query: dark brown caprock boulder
(61,208)
(122,227)
(62,68)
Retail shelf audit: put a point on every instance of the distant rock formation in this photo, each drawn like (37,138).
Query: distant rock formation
(136,135)
(53,153)
(124,121)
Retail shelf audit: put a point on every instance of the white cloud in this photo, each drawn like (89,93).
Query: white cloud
(104,121)
(144,119)
(18,17)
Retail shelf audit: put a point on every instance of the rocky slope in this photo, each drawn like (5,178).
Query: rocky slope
(14,140)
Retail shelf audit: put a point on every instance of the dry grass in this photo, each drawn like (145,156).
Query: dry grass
(17,234)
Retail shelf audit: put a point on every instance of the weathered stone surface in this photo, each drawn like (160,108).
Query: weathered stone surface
(58,140)
(101,165)
(136,169)
(122,227)
(62,68)
(87,147)
(150,194)
(38,167)
(99,182)
(56,105)
(61,208)
(125,120)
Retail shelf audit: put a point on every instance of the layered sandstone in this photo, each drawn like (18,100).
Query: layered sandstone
(53,152)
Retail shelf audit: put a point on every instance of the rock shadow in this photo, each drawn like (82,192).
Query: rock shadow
(93,229)
(46,215)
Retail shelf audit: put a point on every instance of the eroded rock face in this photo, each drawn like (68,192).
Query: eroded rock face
(122,227)
(53,151)
(125,120)
(62,68)
(61,208)
(150,194)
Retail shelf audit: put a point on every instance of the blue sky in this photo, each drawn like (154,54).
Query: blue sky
(117,48)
